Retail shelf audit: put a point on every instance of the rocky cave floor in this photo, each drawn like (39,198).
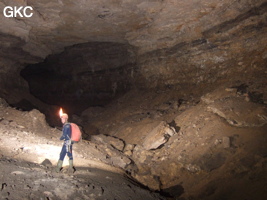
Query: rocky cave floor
(218,150)
(29,150)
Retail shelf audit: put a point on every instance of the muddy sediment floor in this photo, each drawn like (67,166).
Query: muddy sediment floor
(25,180)
(29,150)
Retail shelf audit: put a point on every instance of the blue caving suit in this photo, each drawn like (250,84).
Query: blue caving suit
(67,146)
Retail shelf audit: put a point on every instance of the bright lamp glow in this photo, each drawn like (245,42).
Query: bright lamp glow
(60,112)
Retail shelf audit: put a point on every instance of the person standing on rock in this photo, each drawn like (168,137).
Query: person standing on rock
(67,145)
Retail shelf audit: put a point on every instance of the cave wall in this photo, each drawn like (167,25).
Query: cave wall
(230,51)
(180,44)
(13,59)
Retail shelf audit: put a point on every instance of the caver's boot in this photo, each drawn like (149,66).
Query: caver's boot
(71,169)
(59,165)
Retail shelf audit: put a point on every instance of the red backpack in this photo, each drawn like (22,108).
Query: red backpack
(76,133)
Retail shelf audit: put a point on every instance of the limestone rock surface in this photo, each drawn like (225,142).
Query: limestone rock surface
(158,136)
(176,43)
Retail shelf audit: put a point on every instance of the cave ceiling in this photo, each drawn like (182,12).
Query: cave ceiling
(148,25)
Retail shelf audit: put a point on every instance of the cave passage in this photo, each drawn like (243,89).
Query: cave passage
(84,75)
(171,93)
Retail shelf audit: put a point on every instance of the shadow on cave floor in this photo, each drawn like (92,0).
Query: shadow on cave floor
(26,180)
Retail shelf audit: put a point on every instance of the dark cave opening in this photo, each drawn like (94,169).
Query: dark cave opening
(83,75)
